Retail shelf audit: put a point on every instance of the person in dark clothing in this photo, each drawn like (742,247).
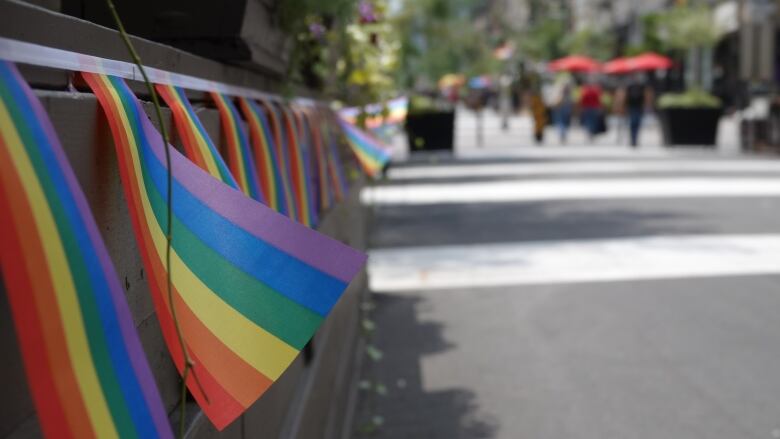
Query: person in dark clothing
(637,97)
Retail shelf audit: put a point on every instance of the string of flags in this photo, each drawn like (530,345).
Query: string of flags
(250,286)
(252,280)
(382,120)
(377,116)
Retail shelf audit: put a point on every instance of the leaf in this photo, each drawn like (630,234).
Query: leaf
(374,353)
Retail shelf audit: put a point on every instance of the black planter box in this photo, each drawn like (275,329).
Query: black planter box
(690,126)
(431,131)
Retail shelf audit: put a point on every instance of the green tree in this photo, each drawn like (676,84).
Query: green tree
(338,50)
(370,61)
(311,25)
(591,42)
(691,30)
(543,40)
(651,39)
(688,27)
(440,37)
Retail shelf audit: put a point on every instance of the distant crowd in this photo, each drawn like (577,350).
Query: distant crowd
(567,97)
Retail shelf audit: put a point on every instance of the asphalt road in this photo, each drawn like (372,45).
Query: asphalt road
(654,315)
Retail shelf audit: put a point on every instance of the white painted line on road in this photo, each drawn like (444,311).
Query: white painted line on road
(583,167)
(511,191)
(503,149)
(555,262)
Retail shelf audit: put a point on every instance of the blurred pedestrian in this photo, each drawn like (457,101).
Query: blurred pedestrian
(538,108)
(563,102)
(452,94)
(637,97)
(477,100)
(590,105)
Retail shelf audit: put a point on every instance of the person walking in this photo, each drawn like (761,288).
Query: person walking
(637,97)
(590,105)
(563,103)
(537,106)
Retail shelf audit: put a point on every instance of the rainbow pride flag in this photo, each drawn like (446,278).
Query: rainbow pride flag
(397,110)
(311,118)
(87,371)
(299,166)
(276,119)
(379,115)
(307,152)
(371,153)
(197,144)
(338,181)
(266,161)
(250,286)
(240,158)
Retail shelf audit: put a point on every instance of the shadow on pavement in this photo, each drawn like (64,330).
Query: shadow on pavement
(408,409)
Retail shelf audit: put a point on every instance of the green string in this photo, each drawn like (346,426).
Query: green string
(188,363)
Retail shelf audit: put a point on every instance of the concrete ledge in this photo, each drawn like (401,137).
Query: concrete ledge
(25,22)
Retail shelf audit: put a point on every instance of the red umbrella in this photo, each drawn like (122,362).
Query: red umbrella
(645,61)
(574,63)
(618,66)
(651,61)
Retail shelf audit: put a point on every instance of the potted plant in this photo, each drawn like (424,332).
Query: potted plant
(689,118)
(430,126)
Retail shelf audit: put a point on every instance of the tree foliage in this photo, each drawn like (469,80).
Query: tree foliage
(687,27)
(543,40)
(440,37)
(339,51)
(590,42)
(369,62)
(294,16)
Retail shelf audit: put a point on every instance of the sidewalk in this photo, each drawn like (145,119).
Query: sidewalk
(518,139)
(577,291)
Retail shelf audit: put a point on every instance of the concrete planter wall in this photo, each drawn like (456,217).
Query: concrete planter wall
(312,398)
(236,31)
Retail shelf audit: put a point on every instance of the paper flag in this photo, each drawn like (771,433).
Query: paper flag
(87,372)
(299,168)
(266,160)
(276,120)
(397,110)
(379,115)
(307,150)
(250,286)
(331,131)
(241,161)
(197,144)
(311,120)
(370,152)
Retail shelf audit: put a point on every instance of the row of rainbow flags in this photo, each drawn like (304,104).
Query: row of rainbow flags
(251,278)
(378,115)
(383,120)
